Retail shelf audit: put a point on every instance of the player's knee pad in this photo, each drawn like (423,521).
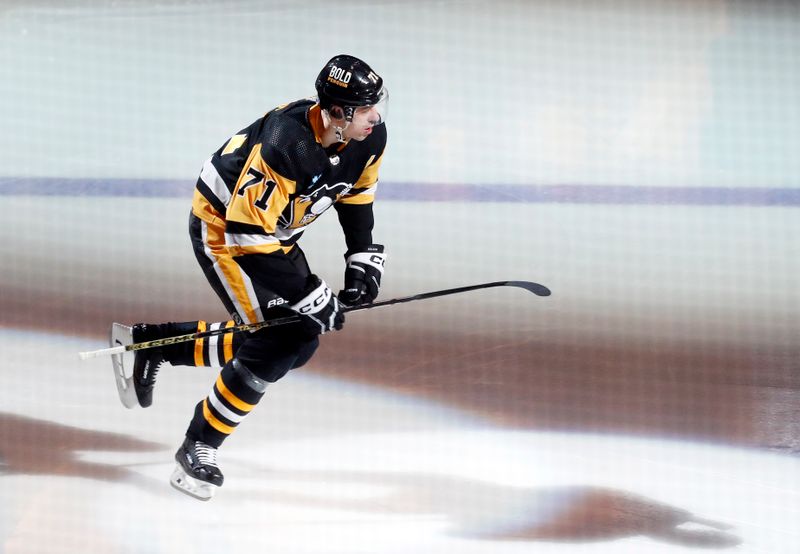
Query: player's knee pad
(271,357)
(247,383)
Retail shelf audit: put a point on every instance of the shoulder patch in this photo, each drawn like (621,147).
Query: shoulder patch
(235,142)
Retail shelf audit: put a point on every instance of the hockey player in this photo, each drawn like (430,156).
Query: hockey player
(253,199)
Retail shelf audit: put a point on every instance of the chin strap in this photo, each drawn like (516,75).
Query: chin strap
(347,112)
(339,131)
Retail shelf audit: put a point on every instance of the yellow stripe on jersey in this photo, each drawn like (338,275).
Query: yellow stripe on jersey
(363,192)
(234,400)
(236,283)
(235,142)
(214,422)
(198,345)
(366,197)
(370,174)
(203,209)
(233,279)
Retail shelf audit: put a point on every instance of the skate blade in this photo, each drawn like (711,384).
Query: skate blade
(195,488)
(120,335)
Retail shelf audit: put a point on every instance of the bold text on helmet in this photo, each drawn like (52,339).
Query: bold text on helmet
(339,76)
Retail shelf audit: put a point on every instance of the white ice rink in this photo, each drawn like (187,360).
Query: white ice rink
(327,466)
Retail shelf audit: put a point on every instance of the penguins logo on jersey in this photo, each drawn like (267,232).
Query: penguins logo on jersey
(321,198)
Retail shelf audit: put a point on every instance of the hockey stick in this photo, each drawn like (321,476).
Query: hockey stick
(535,288)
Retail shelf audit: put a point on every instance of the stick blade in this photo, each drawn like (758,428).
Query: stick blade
(535,288)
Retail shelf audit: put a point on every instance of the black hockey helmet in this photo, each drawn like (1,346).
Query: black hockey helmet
(350,83)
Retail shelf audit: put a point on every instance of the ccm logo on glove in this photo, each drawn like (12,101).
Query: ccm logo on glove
(362,275)
(319,310)
(313,305)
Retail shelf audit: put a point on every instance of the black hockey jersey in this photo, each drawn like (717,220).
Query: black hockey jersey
(273,178)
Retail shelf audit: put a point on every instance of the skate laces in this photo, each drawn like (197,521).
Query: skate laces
(153,370)
(206,455)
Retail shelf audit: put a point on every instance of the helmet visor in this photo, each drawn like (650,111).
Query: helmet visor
(381,106)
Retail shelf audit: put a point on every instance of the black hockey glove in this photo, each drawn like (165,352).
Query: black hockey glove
(362,276)
(319,308)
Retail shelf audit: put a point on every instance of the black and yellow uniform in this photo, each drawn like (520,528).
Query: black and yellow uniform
(259,191)
(253,200)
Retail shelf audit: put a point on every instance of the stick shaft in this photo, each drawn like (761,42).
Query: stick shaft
(535,288)
(185,338)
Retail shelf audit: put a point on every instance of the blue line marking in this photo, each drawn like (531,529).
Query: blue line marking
(432,192)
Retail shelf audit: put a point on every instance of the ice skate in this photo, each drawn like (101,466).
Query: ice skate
(121,335)
(197,473)
(135,386)
(146,362)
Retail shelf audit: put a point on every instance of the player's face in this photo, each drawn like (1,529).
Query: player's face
(364,119)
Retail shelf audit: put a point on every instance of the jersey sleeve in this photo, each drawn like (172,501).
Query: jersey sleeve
(355,207)
(363,192)
(218,178)
(357,221)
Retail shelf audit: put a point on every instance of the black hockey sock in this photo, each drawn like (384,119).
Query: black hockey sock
(235,393)
(214,351)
